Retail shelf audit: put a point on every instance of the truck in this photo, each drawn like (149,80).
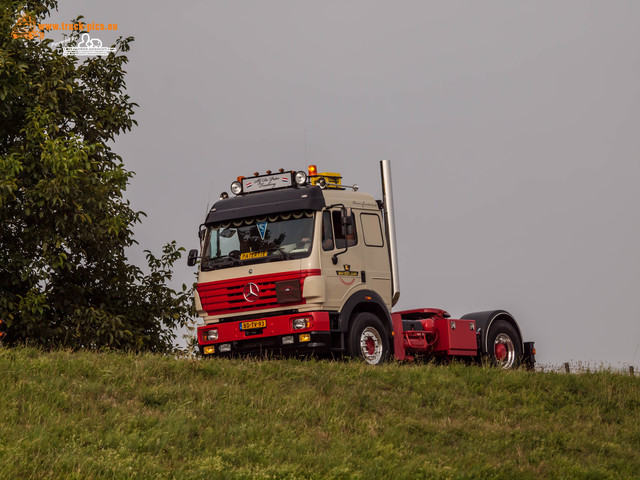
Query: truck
(296,262)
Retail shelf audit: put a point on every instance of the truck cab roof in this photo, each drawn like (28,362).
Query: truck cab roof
(286,199)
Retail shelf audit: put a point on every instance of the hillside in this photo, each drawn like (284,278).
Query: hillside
(108,415)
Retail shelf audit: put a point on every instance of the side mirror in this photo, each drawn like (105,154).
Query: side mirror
(346,225)
(192,259)
(346,220)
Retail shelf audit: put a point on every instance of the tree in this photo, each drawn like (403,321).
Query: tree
(65,279)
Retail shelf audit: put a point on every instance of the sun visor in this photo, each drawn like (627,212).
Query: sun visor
(253,205)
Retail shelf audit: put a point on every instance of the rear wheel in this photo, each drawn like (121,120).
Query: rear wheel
(504,346)
(368,339)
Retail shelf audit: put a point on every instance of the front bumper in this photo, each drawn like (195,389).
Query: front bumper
(278,335)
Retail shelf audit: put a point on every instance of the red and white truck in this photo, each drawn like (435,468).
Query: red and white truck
(295,261)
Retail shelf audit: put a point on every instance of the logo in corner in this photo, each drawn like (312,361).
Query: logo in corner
(251,292)
(26,27)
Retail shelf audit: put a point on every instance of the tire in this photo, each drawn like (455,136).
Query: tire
(367,339)
(504,346)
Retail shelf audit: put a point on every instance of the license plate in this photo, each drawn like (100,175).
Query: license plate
(253,325)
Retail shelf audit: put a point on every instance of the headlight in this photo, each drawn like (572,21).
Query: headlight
(210,335)
(300,323)
(301,178)
(236,188)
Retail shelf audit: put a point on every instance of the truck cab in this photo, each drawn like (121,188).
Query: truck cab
(288,265)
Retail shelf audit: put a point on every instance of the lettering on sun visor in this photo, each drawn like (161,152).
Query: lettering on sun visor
(252,255)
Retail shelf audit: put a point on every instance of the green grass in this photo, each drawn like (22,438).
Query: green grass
(108,415)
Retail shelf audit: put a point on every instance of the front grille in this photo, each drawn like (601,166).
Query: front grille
(256,316)
(227,296)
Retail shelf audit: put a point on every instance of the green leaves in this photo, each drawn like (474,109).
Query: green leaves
(64,276)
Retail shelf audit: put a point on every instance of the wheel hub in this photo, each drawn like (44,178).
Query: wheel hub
(504,351)
(371,345)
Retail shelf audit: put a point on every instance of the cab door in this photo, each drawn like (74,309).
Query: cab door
(377,266)
(344,277)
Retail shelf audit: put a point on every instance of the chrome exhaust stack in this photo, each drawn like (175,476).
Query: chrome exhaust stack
(390,227)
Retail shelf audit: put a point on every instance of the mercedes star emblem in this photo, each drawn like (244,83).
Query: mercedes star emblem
(251,292)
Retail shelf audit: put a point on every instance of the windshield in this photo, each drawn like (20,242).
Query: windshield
(281,236)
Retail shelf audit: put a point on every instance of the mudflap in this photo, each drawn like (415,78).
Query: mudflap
(398,338)
(529,357)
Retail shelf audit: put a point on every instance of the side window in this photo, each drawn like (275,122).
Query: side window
(371,230)
(327,231)
(343,239)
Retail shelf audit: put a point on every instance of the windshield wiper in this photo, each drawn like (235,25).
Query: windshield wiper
(220,262)
(285,255)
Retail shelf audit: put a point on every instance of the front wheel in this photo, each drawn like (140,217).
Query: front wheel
(368,339)
(503,345)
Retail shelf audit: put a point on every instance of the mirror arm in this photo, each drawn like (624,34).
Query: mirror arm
(334,258)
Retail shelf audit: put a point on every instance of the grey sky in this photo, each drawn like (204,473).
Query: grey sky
(513,130)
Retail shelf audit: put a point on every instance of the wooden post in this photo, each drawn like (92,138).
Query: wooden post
(631,370)
(566,367)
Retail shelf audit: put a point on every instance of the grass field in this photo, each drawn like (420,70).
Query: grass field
(109,415)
